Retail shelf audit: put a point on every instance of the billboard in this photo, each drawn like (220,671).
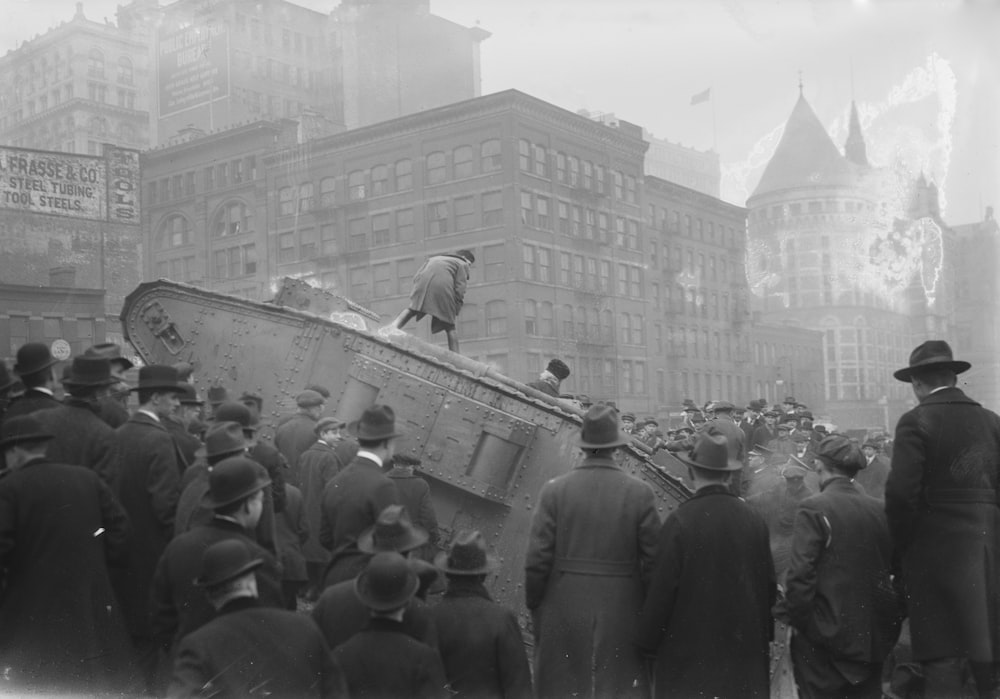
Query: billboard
(66,184)
(192,67)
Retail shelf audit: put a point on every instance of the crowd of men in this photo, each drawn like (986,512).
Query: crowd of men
(152,543)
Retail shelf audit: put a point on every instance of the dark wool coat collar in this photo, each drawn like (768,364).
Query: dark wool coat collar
(466,588)
(239,604)
(597,462)
(947,395)
(842,483)
(718,489)
(143,419)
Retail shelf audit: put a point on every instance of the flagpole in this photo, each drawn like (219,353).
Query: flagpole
(715,142)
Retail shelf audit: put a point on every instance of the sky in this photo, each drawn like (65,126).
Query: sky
(925,73)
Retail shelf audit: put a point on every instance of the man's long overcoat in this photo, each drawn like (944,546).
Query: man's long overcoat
(941,502)
(707,617)
(317,466)
(593,536)
(439,287)
(82,438)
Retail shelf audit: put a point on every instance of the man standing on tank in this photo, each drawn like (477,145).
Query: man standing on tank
(439,291)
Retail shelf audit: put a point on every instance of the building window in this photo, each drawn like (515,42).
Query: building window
(496,318)
(494,263)
(530,317)
(380,180)
(356,185)
(465,213)
(234,218)
(528,259)
(564,268)
(305,197)
(404,175)
(599,179)
(382,280)
(560,166)
(436,168)
(619,185)
(328,239)
(95,64)
(577,222)
(527,212)
(492,208)
(542,207)
(124,71)
(462,157)
(468,321)
(327,193)
(524,155)
(286,201)
(404,225)
(381,234)
(490,158)
(175,231)
(541,161)
(588,174)
(574,171)
(286,247)
(404,276)
(630,189)
(357,234)
(544,265)
(437,218)
(563,209)
(546,320)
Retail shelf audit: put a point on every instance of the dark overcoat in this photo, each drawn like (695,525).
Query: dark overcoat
(340,615)
(707,617)
(415,496)
(291,530)
(248,650)
(267,455)
(61,628)
(439,287)
(838,592)
(29,402)
(480,644)
(762,436)
(352,501)
(941,502)
(593,536)
(383,661)
(293,437)
(187,444)
(317,466)
(147,487)
(179,606)
(873,477)
(82,438)
(545,387)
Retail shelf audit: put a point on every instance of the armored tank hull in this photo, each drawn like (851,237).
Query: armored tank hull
(486,443)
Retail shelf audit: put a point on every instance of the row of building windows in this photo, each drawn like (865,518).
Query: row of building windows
(254,65)
(224,174)
(598,377)
(291,40)
(79,331)
(693,301)
(699,343)
(694,266)
(40,74)
(576,220)
(826,206)
(232,218)
(537,160)
(671,221)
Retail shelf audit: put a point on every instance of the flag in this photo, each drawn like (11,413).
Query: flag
(701,97)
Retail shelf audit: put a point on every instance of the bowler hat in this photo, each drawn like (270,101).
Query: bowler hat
(6,380)
(89,371)
(468,555)
(771,413)
(650,421)
(628,417)
(837,451)
(309,399)
(232,480)
(189,395)
(158,377)
(789,399)
(933,354)
(33,357)
(111,352)
(387,583)
(224,561)
(248,397)
(377,423)
(467,254)
(711,452)
(723,406)
(235,412)
(217,395)
(558,368)
(328,423)
(224,438)
(601,429)
(184,370)
(392,531)
(22,429)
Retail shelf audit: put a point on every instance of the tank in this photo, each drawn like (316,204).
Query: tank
(486,443)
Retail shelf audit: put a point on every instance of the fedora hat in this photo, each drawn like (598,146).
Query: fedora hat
(224,561)
(711,452)
(387,583)
(6,379)
(158,377)
(22,429)
(89,371)
(189,395)
(111,352)
(468,556)
(217,395)
(32,358)
(392,531)
(376,423)
(601,429)
(235,412)
(233,479)
(933,354)
(224,438)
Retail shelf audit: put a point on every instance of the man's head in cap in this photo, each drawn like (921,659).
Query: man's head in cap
(794,474)
(310,403)
(836,456)
(628,422)
(328,430)
(23,439)
(255,404)
(558,369)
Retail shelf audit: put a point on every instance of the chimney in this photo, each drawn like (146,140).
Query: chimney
(62,277)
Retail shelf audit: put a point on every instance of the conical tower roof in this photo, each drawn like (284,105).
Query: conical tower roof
(854,148)
(806,156)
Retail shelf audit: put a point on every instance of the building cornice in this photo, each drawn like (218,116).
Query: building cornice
(678,192)
(200,143)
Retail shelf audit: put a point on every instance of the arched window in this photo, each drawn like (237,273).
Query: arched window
(380,180)
(95,64)
(327,192)
(462,158)
(496,318)
(437,170)
(232,218)
(404,175)
(490,159)
(286,201)
(174,232)
(305,197)
(356,185)
(125,75)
